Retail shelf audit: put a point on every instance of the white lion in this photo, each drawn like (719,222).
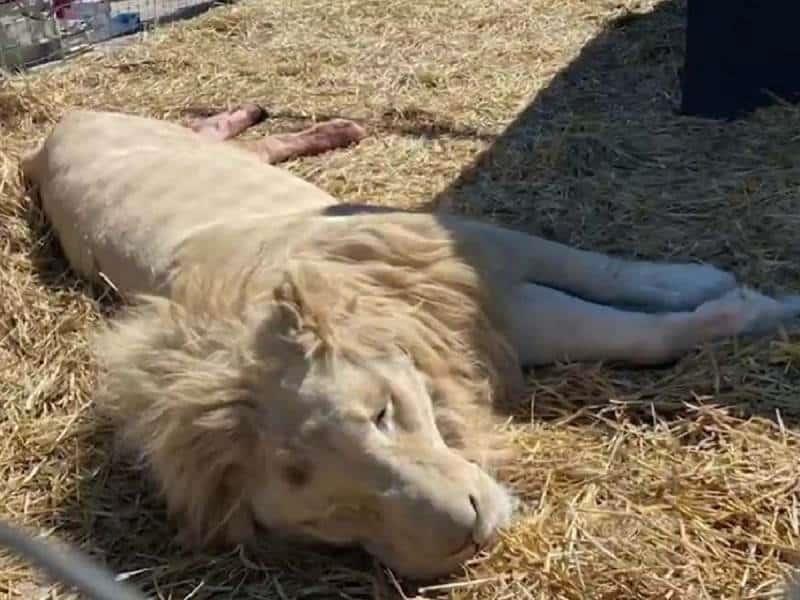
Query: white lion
(330,373)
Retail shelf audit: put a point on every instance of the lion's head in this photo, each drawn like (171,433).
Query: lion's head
(341,399)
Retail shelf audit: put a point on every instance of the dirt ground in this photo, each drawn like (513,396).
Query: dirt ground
(557,117)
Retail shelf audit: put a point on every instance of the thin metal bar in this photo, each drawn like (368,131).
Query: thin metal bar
(67,565)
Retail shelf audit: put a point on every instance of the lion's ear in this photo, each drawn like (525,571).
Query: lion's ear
(176,385)
(308,301)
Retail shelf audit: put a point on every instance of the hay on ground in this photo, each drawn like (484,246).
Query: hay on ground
(674,483)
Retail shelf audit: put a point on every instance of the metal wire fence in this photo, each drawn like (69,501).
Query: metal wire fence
(34,32)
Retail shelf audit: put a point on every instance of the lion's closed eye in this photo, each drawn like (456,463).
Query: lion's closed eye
(297,475)
(383,418)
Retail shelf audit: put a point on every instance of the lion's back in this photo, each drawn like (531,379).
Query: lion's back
(122,191)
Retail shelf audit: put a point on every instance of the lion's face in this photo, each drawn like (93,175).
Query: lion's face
(362,462)
(308,411)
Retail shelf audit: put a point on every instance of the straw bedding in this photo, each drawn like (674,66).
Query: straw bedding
(682,482)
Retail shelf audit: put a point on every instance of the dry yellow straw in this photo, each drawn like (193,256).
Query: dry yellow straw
(675,483)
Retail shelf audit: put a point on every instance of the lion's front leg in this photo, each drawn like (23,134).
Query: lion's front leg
(514,257)
(547,325)
(662,287)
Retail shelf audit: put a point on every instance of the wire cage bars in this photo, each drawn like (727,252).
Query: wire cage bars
(33,32)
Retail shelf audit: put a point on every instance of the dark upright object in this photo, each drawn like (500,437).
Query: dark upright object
(737,49)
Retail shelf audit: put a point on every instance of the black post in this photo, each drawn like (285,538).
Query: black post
(736,50)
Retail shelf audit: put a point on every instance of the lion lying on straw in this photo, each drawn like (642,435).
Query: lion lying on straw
(329,372)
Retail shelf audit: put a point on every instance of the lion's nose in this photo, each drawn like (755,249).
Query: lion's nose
(480,534)
(488,518)
(474,502)
(470,541)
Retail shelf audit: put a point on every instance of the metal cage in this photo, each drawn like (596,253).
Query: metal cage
(33,32)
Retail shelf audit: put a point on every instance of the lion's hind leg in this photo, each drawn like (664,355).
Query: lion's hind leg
(228,124)
(547,325)
(317,139)
(277,148)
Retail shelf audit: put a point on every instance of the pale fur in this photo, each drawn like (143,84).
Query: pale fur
(267,335)
(211,353)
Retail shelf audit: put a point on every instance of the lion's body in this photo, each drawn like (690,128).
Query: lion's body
(244,256)
(154,207)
